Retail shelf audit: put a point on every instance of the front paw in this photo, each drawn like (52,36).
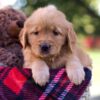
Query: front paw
(76,74)
(40,73)
(41,77)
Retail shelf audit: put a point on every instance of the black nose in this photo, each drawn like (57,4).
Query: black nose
(45,47)
(20,24)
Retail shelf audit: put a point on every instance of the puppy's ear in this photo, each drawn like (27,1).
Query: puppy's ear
(71,37)
(23,38)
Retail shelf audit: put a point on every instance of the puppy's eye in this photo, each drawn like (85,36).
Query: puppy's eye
(55,33)
(35,33)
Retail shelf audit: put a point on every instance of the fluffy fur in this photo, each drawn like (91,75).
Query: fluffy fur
(49,27)
(11,23)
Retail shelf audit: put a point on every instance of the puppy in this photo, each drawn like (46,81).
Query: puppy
(49,41)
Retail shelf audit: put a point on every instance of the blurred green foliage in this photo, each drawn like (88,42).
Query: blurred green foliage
(82,13)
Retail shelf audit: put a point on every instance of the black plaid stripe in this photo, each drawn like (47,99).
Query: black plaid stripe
(6,93)
(4,72)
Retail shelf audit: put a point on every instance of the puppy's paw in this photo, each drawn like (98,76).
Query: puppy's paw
(41,77)
(76,74)
(40,73)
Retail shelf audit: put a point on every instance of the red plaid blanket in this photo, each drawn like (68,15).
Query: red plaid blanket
(17,84)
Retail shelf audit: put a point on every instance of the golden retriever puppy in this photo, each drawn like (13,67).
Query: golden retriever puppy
(49,41)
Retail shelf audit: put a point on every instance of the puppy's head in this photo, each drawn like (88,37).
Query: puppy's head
(47,32)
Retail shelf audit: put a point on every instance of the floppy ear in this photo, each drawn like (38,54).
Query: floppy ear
(71,37)
(23,38)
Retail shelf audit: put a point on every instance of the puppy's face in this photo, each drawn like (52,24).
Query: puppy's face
(46,32)
(46,40)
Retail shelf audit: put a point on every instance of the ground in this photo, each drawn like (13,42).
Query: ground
(95,86)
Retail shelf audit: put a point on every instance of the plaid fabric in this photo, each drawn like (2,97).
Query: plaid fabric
(17,84)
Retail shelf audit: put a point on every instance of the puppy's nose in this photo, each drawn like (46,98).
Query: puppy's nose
(45,47)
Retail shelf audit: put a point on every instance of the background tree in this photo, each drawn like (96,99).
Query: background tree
(82,13)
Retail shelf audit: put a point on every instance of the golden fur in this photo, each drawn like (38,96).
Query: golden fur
(48,25)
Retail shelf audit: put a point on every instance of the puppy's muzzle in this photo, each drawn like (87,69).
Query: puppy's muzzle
(45,48)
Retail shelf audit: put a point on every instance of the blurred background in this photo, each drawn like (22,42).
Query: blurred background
(85,16)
